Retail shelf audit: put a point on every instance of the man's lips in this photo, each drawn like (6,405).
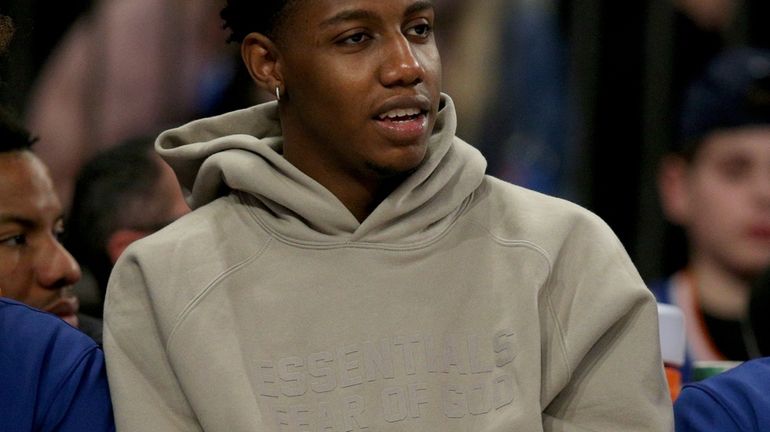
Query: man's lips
(66,308)
(760,232)
(403,118)
(403,107)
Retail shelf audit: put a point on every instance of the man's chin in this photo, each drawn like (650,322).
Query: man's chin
(71,320)
(385,172)
(65,308)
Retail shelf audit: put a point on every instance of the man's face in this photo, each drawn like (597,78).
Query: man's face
(34,267)
(729,199)
(362,79)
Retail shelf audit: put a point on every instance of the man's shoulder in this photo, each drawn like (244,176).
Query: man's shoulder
(31,337)
(216,224)
(179,261)
(749,377)
(51,373)
(733,400)
(520,212)
(516,198)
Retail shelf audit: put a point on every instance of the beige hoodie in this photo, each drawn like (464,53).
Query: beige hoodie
(461,303)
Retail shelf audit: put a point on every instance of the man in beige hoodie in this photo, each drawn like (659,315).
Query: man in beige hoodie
(349,266)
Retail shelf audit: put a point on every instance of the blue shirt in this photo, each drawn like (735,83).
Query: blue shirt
(736,400)
(52,376)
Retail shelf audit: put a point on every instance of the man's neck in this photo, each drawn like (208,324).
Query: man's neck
(723,294)
(360,193)
(360,197)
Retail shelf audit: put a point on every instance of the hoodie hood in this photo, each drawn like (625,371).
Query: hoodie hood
(241,151)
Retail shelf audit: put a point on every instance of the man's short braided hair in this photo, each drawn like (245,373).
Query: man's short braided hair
(247,16)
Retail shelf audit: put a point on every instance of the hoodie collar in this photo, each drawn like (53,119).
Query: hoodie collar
(241,151)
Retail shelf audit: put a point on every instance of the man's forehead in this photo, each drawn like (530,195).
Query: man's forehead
(26,190)
(346,7)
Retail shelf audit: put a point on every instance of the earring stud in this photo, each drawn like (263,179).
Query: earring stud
(278,93)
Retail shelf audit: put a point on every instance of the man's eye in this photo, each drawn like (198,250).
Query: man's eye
(421,30)
(735,169)
(58,231)
(17,240)
(355,39)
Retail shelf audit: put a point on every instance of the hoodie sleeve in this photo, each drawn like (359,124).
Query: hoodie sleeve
(604,325)
(145,392)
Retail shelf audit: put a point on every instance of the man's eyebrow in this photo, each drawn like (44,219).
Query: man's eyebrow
(363,14)
(14,219)
(348,15)
(6,218)
(418,6)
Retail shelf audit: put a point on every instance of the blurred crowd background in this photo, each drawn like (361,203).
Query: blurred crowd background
(573,98)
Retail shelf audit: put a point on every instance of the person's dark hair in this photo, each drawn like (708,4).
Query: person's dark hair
(114,190)
(247,16)
(733,92)
(13,136)
(6,32)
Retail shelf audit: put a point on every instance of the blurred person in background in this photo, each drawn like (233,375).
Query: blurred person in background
(702,30)
(518,115)
(717,187)
(124,69)
(736,400)
(121,195)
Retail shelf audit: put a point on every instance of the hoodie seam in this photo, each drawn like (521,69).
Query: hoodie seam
(462,209)
(195,301)
(546,290)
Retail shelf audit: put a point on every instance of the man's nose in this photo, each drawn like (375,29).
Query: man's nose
(56,267)
(401,66)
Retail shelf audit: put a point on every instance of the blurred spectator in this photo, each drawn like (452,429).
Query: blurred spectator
(127,68)
(6,32)
(702,31)
(717,187)
(736,400)
(121,195)
(709,14)
(35,268)
(519,112)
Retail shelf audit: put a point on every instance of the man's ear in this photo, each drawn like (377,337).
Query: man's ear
(119,241)
(673,189)
(260,54)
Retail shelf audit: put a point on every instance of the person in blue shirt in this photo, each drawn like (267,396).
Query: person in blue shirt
(35,268)
(52,376)
(736,400)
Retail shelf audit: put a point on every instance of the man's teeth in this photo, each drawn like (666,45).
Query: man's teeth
(400,113)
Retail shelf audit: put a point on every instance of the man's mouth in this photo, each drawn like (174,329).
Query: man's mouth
(401,114)
(65,308)
(404,118)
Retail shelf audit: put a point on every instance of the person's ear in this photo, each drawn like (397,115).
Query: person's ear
(260,54)
(119,241)
(673,189)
